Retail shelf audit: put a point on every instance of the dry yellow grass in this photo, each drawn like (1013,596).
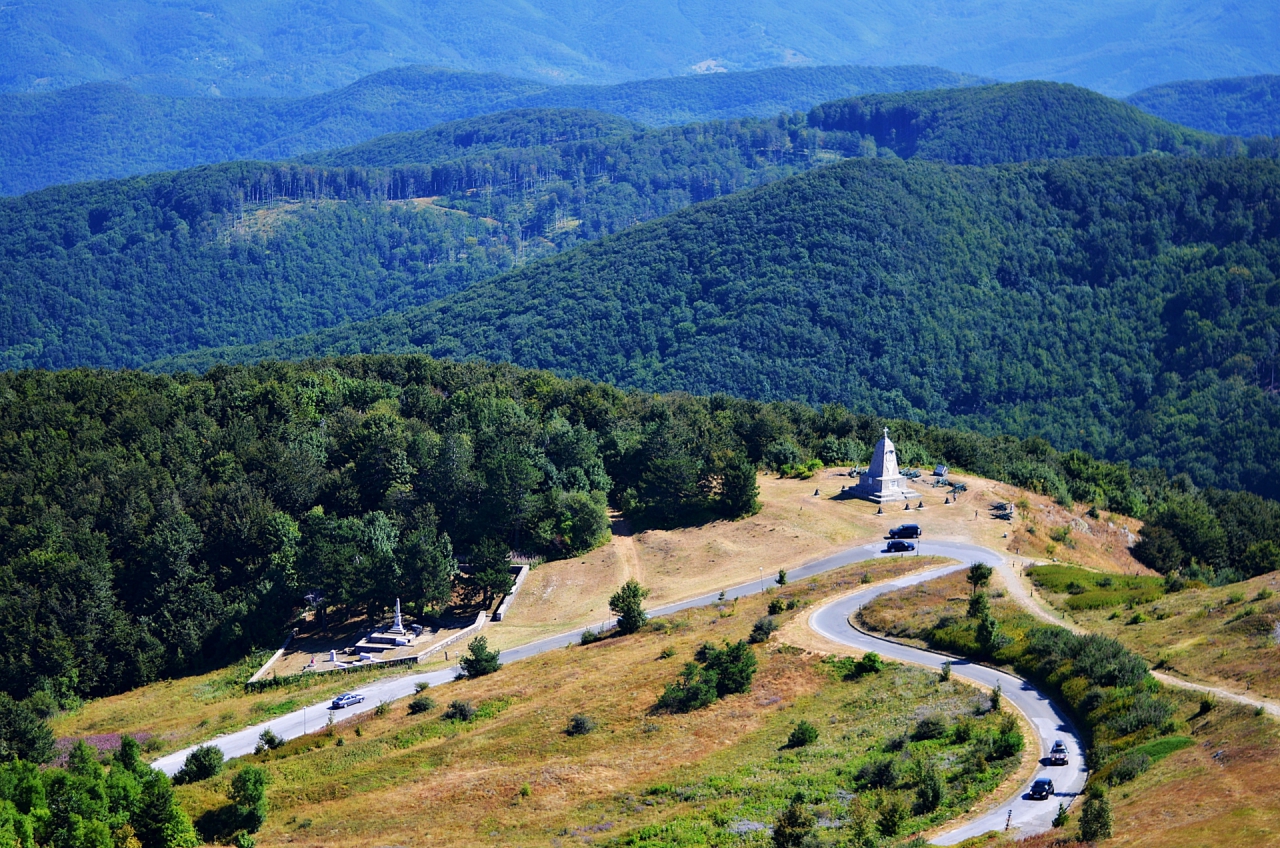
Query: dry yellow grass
(401,782)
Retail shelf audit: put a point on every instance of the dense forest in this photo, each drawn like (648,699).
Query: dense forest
(121,273)
(109,130)
(153,525)
(1009,123)
(1240,106)
(1129,307)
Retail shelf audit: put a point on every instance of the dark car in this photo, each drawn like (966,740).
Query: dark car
(897,546)
(906,531)
(1041,789)
(347,699)
(1058,754)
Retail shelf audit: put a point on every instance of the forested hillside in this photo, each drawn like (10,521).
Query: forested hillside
(108,130)
(125,272)
(286,47)
(1008,123)
(1243,106)
(1130,307)
(155,525)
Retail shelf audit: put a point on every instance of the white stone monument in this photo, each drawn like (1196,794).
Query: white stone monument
(881,482)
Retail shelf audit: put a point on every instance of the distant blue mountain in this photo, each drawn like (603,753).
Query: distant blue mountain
(106,130)
(1243,106)
(293,47)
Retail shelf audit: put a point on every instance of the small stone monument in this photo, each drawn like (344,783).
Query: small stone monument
(881,482)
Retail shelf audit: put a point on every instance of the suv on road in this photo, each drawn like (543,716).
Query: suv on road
(897,546)
(1041,789)
(347,699)
(906,531)
(1058,754)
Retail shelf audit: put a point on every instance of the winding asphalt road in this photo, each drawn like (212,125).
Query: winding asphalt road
(831,621)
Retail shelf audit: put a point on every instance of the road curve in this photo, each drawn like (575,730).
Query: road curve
(1050,725)
(1020,812)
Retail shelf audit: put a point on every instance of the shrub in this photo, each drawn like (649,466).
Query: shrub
(930,790)
(589,637)
(996,693)
(868,663)
(695,689)
(929,727)
(202,763)
(479,660)
(249,795)
(763,629)
(1061,819)
(979,606)
(382,709)
(667,653)
(580,725)
(1263,594)
(734,667)
(776,606)
(268,741)
(782,577)
(1128,767)
(946,671)
(626,603)
(893,813)
(421,686)
(794,826)
(421,704)
(878,773)
(459,711)
(1095,818)
(802,735)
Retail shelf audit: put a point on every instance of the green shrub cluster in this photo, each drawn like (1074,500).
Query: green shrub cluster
(718,672)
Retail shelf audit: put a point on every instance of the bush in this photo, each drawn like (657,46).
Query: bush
(421,704)
(421,686)
(249,795)
(929,727)
(1127,768)
(794,826)
(695,689)
(930,791)
(667,653)
(868,663)
(776,606)
(782,577)
(268,740)
(979,606)
(1095,818)
(946,671)
(459,711)
(201,764)
(580,725)
(878,773)
(626,603)
(480,660)
(802,735)
(893,813)
(1061,819)
(589,637)
(763,629)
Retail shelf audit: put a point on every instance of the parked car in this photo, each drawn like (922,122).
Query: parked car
(1058,754)
(1041,789)
(897,546)
(347,699)
(906,531)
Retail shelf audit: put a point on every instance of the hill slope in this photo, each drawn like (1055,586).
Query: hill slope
(108,130)
(1006,123)
(1128,306)
(282,47)
(123,273)
(1243,106)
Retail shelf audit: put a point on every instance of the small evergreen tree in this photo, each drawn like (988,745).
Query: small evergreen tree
(802,735)
(794,825)
(930,790)
(249,794)
(1095,817)
(979,575)
(979,606)
(626,603)
(479,660)
(202,763)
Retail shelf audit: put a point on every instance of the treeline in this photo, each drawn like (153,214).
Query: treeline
(154,525)
(108,130)
(1213,536)
(1126,307)
(1011,123)
(1241,106)
(120,274)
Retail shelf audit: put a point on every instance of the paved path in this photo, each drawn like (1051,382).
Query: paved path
(313,718)
(833,622)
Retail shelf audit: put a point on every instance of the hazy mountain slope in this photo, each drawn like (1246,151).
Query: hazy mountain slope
(1243,106)
(104,130)
(287,47)
(125,272)
(1128,306)
(1006,123)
